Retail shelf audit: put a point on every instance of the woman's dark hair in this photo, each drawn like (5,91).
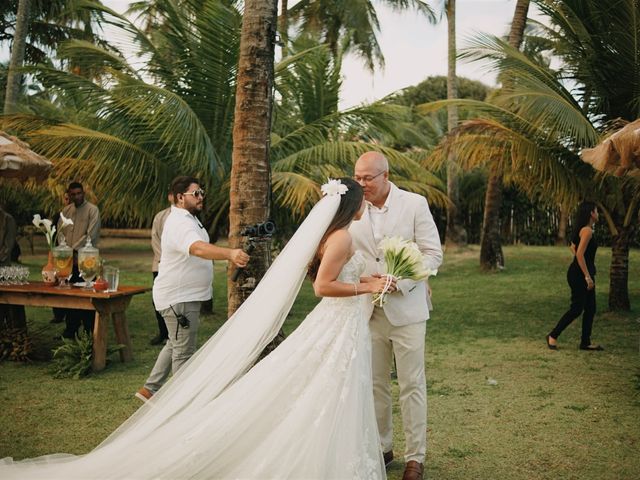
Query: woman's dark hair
(350,203)
(583,216)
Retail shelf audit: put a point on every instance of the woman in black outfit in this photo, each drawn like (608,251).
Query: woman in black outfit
(581,279)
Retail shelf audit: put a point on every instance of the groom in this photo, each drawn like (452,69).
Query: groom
(399,327)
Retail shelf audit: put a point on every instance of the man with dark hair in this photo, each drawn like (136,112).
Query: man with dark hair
(185,274)
(86,223)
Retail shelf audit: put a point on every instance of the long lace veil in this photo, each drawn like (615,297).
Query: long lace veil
(227,355)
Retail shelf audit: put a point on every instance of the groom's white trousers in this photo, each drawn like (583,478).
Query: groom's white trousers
(407,344)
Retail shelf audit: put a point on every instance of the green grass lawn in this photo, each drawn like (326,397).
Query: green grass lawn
(501,405)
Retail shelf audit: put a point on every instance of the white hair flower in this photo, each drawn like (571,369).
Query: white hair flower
(333,187)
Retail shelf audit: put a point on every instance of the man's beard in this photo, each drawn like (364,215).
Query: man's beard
(194,210)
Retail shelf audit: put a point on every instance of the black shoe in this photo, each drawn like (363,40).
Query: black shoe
(551,347)
(388,458)
(157,340)
(592,348)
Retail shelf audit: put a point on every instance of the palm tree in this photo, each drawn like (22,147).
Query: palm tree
(536,128)
(127,137)
(491,256)
(283,27)
(350,24)
(455,234)
(17,57)
(250,192)
(313,139)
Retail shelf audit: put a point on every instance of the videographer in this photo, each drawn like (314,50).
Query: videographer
(185,275)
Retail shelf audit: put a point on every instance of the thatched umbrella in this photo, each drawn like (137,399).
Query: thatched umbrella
(617,154)
(17,160)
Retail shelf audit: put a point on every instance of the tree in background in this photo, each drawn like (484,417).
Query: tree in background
(250,182)
(128,132)
(491,256)
(17,57)
(455,232)
(536,125)
(349,25)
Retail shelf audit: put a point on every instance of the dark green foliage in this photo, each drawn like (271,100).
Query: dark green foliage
(435,88)
(73,357)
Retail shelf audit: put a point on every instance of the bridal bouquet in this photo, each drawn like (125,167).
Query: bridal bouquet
(49,229)
(404,261)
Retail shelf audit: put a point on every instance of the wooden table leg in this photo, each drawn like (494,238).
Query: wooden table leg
(122,336)
(100,340)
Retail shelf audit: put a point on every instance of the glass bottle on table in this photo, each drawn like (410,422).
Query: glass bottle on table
(63,262)
(88,263)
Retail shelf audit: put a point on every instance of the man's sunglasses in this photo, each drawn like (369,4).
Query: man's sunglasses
(196,193)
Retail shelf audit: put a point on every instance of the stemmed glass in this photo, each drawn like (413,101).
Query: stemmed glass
(12,275)
(24,275)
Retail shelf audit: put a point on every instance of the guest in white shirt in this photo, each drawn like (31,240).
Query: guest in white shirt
(398,328)
(184,279)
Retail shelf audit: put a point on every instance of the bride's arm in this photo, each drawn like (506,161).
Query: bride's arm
(336,254)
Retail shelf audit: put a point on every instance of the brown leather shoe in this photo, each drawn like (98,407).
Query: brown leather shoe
(413,471)
(144,394)
(388,457)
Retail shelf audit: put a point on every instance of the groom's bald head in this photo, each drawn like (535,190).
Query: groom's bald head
(374,160)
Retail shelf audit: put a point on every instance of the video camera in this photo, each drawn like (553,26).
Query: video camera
(254,232)
(264,229)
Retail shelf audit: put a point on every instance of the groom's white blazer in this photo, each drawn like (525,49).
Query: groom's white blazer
(408,217)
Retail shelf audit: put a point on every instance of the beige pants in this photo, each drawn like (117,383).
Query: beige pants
(406,343)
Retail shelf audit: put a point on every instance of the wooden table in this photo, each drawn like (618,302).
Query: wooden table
(112,304)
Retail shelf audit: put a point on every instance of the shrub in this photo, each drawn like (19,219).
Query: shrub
(73,357)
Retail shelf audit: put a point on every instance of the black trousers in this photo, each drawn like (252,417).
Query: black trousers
(162,327)
(583,301)
(73,318)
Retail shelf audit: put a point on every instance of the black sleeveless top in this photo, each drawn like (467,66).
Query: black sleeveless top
(589,254)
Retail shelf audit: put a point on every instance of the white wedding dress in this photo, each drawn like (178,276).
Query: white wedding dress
(304,412)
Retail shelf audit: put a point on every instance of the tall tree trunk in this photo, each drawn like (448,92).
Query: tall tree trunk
(619,271)
(561,239)
(455,234)
(284,27)
(17,57)
(250,186)
(491,255)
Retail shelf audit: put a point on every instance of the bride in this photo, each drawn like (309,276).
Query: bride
(304,412)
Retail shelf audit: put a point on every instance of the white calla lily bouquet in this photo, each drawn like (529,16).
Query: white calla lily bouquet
(404,261)
(48,228)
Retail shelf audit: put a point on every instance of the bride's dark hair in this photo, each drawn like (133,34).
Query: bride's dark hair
(350,203)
